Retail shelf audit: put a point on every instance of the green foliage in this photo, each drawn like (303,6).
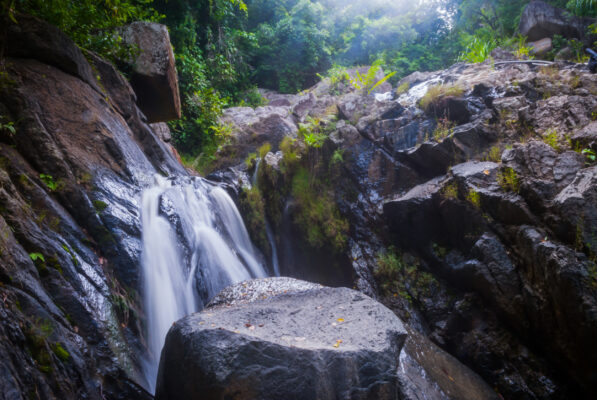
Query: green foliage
(264,149)
(60,352)
(368,81)
(50,183)
(494,154)
(253,206)
(474,198)
(91,24)
(403,88)
(551,138)
(450,191)
(337,157)
(317,214)
(402,278)
(251,160)
(37,257)
(478,49)
(443,129)
(7,126)
(99,205)
(590,155)
(313,132)
(508,180)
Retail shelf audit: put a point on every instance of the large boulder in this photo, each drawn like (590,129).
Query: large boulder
(322,343)
(280,338)
(540,20)
(153,77)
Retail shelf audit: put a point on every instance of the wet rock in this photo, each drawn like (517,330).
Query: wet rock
(34,38)
(280,330)
(162,131)
(70,180)
(299,344)
(153,76)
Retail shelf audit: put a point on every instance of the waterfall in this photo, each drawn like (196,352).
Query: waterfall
(194,244)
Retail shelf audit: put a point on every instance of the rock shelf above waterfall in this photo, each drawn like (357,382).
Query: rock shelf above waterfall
(280,338)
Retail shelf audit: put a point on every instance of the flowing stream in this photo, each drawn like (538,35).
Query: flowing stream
(194,244)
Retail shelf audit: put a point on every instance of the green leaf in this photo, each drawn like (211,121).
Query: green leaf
(37,256)
(381,81)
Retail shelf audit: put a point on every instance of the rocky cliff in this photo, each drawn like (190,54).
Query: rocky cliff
(74,153)
(469,198)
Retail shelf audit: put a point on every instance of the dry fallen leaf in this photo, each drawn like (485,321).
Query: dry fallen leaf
(340,320)
(337,344)
(486,172)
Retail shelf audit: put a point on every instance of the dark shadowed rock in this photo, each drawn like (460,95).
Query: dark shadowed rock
(154,75)
(540,20)
(37,39)
(319,343)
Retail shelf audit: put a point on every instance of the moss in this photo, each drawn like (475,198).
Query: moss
(72,255)
(264,149)
(36,336)
(403,88)
(317,214)
(508,180)
(474,198)
(251,160)
(99,205)
(60,352)
(253,206)
(54,263)
(406,279)
(450,191)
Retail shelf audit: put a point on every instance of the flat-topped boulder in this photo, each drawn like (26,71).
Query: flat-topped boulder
(282,338)
(295,341)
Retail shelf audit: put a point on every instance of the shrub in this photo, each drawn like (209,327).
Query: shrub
(494,154)
(398,277)
(368,81)
(264,149)
(403,88)
(508,180)
(474,198)
(443,129)
(450,191)
(551,138)
(478,49)
(437,92)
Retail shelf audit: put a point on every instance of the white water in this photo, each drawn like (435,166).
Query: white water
(194,245)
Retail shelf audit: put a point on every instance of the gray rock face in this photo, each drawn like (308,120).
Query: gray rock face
(540,20)
(288,343)
(281,338)
(154,77)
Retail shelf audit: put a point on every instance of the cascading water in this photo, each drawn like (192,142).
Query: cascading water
(194,244)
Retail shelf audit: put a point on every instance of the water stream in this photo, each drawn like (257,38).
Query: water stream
(194,244)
